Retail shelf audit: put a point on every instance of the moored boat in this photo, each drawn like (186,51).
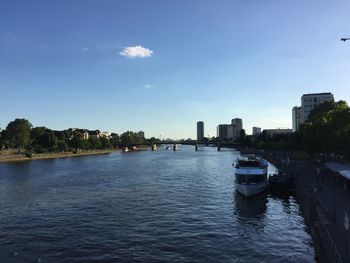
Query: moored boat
(251,175)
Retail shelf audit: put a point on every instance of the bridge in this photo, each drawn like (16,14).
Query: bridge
(153,145)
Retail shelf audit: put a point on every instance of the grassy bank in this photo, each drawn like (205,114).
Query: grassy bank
(12,156)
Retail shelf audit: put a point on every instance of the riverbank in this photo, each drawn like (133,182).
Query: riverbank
(323,200)
(10,156)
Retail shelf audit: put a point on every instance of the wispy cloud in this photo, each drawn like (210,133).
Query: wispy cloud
(7,35)
(148,86)
(84,49)
(136,52)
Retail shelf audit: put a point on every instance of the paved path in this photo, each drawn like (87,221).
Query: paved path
(328,199)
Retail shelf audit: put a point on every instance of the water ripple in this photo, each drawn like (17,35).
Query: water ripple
(161,206)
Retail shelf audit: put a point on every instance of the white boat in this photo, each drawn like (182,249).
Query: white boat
(251,175)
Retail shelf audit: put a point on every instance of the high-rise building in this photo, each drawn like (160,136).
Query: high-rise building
(237,125)
(296,118)
(200,130)
(222,131)
(230,131)
(256,131)
(311,101)
(308,103)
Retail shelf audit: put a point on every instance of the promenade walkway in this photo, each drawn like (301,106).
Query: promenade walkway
(326,204)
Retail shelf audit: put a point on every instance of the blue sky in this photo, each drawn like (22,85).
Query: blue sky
(66,63)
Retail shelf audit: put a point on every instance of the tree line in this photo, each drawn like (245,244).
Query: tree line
(326,131)
(21,134)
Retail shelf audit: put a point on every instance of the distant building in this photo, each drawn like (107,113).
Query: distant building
(141,134)
(256,131)
(279,131)
(237,126)
(94,134)
(230,131)
(296,118)
(200,130)
(73,132)
(85,134)
(311,101)
(105,134)
(222,131)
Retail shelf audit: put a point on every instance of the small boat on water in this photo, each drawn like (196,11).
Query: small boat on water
(125,149)
(251,175)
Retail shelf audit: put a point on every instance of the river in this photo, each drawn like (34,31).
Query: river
(160,206)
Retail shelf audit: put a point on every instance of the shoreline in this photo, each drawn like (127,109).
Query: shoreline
(312,191)
(302,200)
(47,156)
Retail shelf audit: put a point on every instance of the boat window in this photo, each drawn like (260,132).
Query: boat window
(249,163)
(250,178)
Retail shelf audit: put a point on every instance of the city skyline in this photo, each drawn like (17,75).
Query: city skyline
(160,67)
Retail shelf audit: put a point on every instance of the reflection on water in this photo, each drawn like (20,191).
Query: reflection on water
(253,207)
(160,206)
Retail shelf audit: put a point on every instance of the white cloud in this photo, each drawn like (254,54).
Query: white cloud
(148,86)
(136,52)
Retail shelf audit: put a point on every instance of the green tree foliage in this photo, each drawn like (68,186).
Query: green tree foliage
(129,138)
(105,143)
(77,141)
(62,146)
(43,139)
(95,143)
(153,140)
(18,133)
(327,129)
(115,139)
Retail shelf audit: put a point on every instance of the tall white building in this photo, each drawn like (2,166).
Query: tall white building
(308,103)
(311,101)
(296,118)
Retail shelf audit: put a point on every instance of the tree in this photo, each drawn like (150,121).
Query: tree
(105,143)
(326,129)
(242,134)
(19,133)
(62,146)
(115,139)
(43,139)
(94,142)
(129,138)
(77,141)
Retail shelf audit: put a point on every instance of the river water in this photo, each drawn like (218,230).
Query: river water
(160,206)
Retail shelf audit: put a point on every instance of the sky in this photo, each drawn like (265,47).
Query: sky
(160,66)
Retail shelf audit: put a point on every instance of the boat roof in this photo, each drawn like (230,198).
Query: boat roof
(251,160)
(249,157)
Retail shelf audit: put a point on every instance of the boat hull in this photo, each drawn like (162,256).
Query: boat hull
(251,189)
